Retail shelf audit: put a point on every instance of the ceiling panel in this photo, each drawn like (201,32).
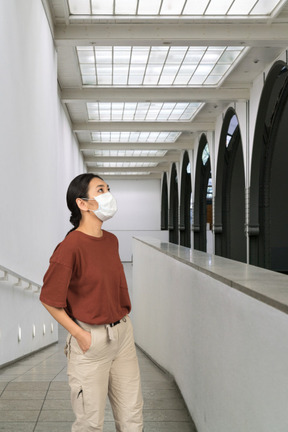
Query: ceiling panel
(157,63)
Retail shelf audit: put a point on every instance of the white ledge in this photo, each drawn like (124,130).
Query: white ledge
(264,285)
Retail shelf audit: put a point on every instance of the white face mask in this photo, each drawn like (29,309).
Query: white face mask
(107,206)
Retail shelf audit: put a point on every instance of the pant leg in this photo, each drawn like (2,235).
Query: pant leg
(89,379)
(124,383)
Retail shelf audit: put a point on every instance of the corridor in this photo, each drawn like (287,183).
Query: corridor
(35,395)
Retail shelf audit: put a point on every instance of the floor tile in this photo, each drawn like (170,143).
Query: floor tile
(17,427)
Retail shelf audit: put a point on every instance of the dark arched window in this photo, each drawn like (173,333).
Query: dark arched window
(268,213)
(229,229)
(164,203)
(173,210)
(185,203)
(203,195)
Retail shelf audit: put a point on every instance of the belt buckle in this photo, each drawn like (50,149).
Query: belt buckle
(114,324)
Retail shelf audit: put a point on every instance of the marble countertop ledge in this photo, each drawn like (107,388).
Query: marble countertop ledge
(264,285)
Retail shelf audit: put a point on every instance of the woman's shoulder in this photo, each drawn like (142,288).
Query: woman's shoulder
(110,236)
(65,249)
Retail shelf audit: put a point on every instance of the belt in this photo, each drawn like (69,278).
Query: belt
(114,324)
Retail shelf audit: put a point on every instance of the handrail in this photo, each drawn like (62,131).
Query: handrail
(7,272)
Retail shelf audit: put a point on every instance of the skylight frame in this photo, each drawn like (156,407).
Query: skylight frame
(135,137)
(130,153)
(143,111)
(124,164)
(156,66)
(181,9)
(124,173)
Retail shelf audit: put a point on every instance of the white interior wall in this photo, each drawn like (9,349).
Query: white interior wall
(39,155)
(139,212)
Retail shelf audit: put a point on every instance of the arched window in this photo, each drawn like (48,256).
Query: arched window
(229,229)
(203,196)
(164,203)
(185,203)
(173,210)
(268,213)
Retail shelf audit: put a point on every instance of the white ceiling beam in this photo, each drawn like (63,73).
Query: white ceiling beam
(126,177)
(178,145)
(133,169)
(143,126)
(193,33)
(156,159)
(154,95)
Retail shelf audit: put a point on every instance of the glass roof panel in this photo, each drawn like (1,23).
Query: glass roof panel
(160,111)
(218,7)
(172,8)
(154,66)
(130,153)
(102,7)
(107,173)
(149,7)
(135,137)
(264,7)
(126,7)
(79,7)
(241,7)
(126,164)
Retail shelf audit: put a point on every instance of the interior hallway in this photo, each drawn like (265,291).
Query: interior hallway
(35,396)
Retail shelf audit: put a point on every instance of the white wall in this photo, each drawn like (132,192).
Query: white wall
(39,157)
(226,350)
(139,212)
(28,327)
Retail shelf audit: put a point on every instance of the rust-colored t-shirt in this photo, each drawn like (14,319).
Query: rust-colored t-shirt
(86,278)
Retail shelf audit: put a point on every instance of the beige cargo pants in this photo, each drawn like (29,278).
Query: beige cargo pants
(109,367)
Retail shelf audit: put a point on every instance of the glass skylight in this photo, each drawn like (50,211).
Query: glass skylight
(136,173)
(155,66)
(141,137)
(172,7)
(142,111)
(126,164)
(130,153)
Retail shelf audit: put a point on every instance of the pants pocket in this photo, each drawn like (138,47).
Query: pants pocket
(77,401)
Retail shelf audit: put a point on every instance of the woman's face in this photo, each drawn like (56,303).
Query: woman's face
(96,187)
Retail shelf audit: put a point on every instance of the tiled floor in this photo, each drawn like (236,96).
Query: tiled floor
(34,396)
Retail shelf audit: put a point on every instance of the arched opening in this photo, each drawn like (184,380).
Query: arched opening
(173,210)
(230,239)
(268,228)
(185,203)
(164,203)
(203,196)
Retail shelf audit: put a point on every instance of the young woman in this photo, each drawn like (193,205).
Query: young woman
(85,290)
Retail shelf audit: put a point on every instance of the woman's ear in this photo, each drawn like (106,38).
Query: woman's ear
(81,204)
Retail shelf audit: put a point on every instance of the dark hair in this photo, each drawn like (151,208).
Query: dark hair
(78,188)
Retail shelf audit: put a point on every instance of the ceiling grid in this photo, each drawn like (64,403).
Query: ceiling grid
(139,80)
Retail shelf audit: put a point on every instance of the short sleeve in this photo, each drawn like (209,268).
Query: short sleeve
(57,278)
(55,286)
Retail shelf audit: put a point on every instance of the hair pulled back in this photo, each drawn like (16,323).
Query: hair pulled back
(78,188)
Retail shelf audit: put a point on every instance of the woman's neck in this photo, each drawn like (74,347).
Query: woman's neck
(91,227)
